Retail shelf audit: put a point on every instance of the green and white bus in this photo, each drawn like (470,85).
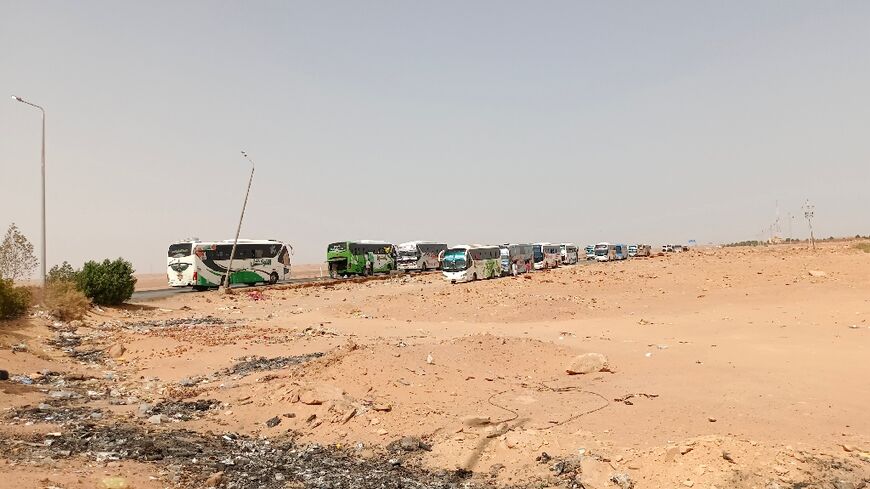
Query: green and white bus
(362,257)
(465,263)
(203,264)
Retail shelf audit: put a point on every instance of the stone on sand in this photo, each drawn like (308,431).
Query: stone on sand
(586,363)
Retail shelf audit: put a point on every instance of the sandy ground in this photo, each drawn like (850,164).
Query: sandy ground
(725,368)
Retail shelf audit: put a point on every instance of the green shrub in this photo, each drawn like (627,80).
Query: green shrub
(865,246)
(65,301)
(108,283)
(14,301)
(62,273)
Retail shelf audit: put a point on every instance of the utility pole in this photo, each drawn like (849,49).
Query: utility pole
(42,263)
(226,282)
(809,211)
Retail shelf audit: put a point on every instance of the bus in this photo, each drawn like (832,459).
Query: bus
(620,251)
(419,256)
(546,255)
(569,253)
(605,252)
(590,252)
(632,250)
(362,257)
(464,263)
(516,258)
(202,265)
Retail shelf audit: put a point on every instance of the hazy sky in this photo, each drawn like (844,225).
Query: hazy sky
(455,121)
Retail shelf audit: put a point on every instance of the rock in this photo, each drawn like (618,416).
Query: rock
(473,420)
(394,462)
(4,375)
(116,350)
(61,394)
(494,469)
(382,407)
(544,457)
(350,413)
(156,419)
(76,324)
(587,363)
(817,273)
(622,480)
(145,409)
(429,359)
(187,382)
(412,444)
(688,483)
(671,454)
(711,419)
(849,448)
(727,456)
(214,480)
(273,422)
(320,394)
(685,449)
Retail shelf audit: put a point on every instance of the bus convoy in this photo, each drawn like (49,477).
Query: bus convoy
(205,264)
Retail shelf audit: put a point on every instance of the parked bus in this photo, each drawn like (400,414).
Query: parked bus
(202,265)
(605,252)
(546,255)
(644,250)
(620,251)
(632,250)
(419,256)
(516,258)
(569,253)
(362,257)
(590,252)
(465,263)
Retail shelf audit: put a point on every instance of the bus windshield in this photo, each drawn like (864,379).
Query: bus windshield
(454,261)
(337,247)
(538,253)
(179,250)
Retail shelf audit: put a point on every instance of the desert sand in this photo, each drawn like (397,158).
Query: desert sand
(735,367)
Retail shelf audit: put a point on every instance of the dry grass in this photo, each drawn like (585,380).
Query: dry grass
(65,302)
(863,246)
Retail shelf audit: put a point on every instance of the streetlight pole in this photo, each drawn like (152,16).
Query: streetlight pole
(226,284)
(42,263)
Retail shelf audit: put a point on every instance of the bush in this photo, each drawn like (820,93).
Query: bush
(865,247)
(62,273)
(14,301)
(65,301)
(108,283)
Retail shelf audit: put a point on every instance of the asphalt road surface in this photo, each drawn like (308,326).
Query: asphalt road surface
(150,295)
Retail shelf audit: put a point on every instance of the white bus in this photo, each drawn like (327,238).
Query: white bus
(419,256)
(569,253)
(605,252)
(202,265)
(547,255)
(464,263)
(516,258)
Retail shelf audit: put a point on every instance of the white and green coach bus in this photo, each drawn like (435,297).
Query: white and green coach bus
(465,263)
(203,264)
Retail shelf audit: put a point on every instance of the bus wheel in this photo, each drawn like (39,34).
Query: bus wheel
(273,278)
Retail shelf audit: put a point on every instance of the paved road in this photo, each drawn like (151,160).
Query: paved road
(151,295)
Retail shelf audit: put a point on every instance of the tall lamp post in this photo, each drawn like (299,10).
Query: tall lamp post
(42,263)
(226,284)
